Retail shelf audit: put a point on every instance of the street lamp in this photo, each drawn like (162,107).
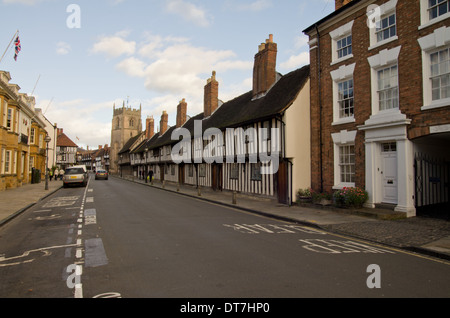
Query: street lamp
(145,164)
(47,140)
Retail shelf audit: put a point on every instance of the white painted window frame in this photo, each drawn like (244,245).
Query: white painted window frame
(436,41)
(425,17)
(343,73)
(336,35)
(343,138)
(385,58)
(385,10)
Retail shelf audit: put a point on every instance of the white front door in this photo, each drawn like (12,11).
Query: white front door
(389,172)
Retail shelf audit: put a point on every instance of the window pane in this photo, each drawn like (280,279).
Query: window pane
(438,8)
(388,88)
(440,72)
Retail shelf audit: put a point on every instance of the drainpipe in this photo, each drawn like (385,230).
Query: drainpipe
(319,80)
(283,155)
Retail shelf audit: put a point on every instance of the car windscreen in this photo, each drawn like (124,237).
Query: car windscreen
(74,171)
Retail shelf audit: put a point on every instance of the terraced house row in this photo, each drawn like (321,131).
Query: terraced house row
(23,129)
(279,104)
(370,111)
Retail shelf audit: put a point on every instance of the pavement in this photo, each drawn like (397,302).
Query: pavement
(421,235)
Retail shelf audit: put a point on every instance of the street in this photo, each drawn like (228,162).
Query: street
(116,238)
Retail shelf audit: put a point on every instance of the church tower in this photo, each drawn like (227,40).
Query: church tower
(126,123)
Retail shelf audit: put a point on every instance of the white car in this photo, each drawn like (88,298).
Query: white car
(75,175)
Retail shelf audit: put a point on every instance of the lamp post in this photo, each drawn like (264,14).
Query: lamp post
(47,140)
(145,164)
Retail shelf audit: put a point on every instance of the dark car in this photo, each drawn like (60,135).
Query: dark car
(101,174)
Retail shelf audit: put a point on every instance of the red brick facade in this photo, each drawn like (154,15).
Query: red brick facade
(410,28)
(211,95)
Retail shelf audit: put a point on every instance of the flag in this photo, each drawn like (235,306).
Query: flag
(18,47)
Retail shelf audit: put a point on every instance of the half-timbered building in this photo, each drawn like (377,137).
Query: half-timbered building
(257,143)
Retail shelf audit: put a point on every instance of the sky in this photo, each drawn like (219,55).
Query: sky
(79,61)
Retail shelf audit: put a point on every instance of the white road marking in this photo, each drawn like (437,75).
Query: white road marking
(340,247)
(90,217)
(45,250)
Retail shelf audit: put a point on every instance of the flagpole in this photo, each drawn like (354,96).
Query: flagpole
(7,48)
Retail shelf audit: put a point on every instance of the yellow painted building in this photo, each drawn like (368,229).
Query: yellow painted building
(22,133)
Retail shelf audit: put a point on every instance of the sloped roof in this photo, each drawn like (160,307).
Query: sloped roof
(63,141)
(130,143)
(239,111)
(244,110)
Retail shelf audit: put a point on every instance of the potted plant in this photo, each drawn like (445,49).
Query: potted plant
(350,197)
(322,198)
(304,195)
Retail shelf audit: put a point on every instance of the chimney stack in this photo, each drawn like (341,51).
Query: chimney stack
(181,113)
(211,96)
(150,127)
(264,69)
(163,123)
(340,3)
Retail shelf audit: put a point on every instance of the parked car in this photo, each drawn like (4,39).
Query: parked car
(76,175)
(101,174)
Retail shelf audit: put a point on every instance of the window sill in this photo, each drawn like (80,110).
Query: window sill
(434,21)
(337,61)
(340,186)
(342,121)
(437,104)
(381,43)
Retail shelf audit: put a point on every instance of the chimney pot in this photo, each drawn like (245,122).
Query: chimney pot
(340,3)
(164,121)
(264,69)
(181,113)
(211,96)
(150,127)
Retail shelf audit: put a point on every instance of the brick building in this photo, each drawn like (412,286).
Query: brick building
(380,96)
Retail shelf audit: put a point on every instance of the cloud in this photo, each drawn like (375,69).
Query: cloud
(301,41)
(132,67)
(258,5)
(173,68)
(62,48)
(188,11)
(79,118)
(173,65)
(114,46)
(296,61)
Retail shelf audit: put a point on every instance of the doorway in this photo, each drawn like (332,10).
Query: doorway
(389,180)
